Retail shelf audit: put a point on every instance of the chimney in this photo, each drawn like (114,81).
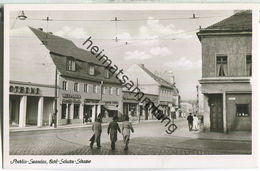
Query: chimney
(40,29)
(172,79)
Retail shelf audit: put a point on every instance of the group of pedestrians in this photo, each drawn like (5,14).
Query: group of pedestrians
(193,122)
(112,130)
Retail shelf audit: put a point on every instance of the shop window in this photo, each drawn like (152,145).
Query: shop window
(85,88)
(242,110)
(76,111)
(64,85)
(95,88)
(117,91)
(63,111)
(249,65)
(91,70)
(76,87)
(110,90)
(222,67)
(71,64)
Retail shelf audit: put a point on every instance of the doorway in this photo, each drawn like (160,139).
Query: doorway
(216,113)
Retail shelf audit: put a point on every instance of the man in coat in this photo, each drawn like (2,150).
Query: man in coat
(190,122)
(112,129)
(97,129)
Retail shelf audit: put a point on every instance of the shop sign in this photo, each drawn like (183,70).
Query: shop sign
(231,98)
(24,90)
(71,101)
(73,96)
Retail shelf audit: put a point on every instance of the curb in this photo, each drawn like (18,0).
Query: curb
(65,127)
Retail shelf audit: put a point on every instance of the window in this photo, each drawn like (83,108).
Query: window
(117,91)
(95,87)
(91,70)
(110,90)
(222,66)
(242,110)
(63,111)
(76,111)
(85,88)
(103,90)
(107,74)
(64,85)
(248,65)
(71,64)
(76,87)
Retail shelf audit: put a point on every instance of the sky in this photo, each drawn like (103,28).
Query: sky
(164,41)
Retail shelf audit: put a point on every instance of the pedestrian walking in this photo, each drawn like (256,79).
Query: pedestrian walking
(190,122)
(126,128)
(173,116)
(195,123)
(53,119)
(112,129)
(97,129)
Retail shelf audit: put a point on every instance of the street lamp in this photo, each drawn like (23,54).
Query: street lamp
(22,16)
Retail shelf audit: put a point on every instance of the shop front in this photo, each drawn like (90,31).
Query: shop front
(30,104)
(71,109)
(131,106)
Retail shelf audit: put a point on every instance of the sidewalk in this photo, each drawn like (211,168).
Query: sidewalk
(60,127)
(232,136)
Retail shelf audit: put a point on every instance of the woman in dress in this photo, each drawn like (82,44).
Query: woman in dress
(126,127)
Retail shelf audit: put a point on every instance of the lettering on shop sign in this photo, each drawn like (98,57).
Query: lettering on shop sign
(74,96)
(71,101)
(24,90)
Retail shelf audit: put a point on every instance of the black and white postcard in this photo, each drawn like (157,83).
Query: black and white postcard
(130,85)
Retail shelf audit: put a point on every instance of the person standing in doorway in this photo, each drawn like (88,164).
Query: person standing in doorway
(126,127)
(97,129)
(53,119)
(190,122)
(112,129)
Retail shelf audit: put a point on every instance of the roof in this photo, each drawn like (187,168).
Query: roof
(238,22)
(64,47)
(158,79)
(61,48)
(82,72)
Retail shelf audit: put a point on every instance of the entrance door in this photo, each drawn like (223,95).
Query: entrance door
(69,120)
(216,113)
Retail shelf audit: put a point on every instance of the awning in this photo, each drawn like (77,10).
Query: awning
(110,107)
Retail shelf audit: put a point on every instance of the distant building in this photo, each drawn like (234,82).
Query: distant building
(186,108)
(86,89)
(163,93)
(226,73)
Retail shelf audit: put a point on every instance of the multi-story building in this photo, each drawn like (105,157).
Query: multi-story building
(226,73)
(85,87)
(161,92)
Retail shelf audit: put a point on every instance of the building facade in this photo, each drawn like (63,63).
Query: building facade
(85,88)
(30,104)
(161,92)
(226,73)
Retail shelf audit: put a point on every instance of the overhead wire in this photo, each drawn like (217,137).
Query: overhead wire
(122,20)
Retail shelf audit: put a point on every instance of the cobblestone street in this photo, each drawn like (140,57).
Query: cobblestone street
(148,139)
